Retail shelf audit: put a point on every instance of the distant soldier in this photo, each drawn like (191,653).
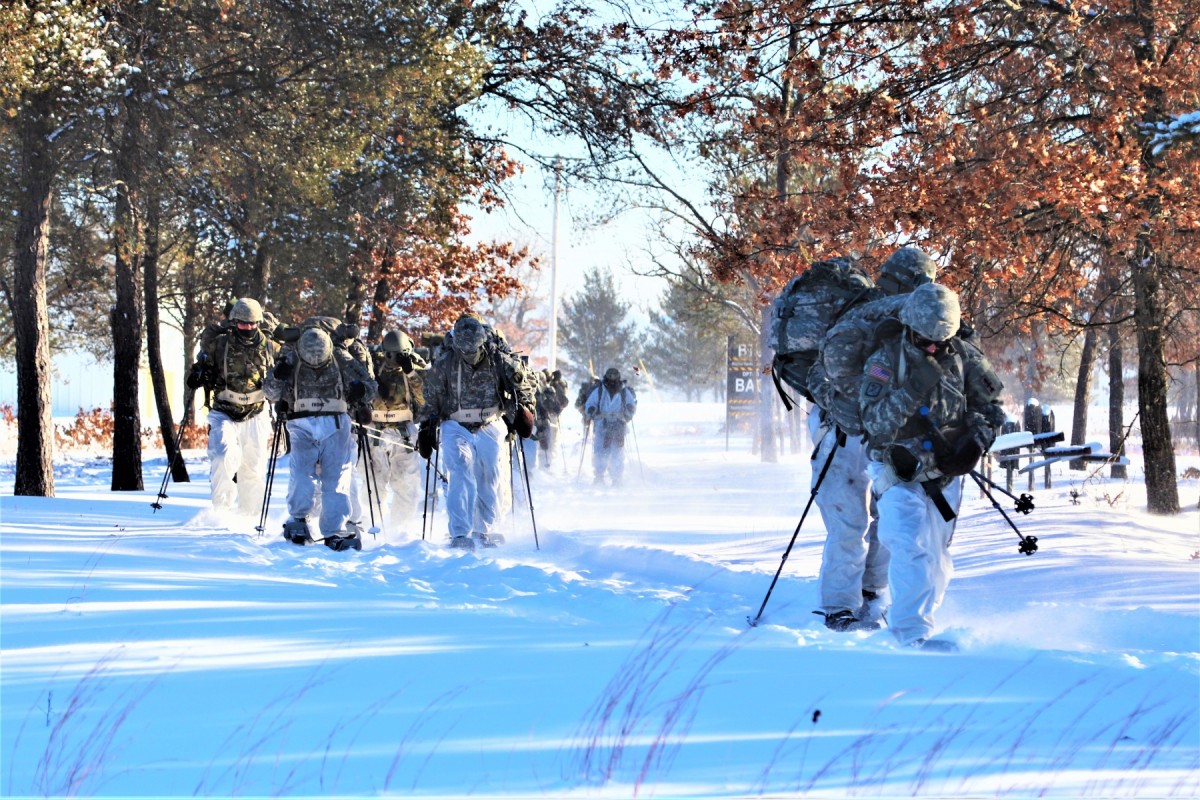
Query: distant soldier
(610,408)
(231,367)
(552,400)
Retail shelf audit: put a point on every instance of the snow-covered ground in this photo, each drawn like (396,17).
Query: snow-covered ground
(179,654)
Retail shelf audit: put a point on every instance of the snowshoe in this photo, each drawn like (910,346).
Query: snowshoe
(873,607)
(462,543)
(296,531)
(843,621)
(489,539)
(934,645)
(350,541)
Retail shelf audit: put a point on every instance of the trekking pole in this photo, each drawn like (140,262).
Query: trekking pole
(529,494)
(1028,545)
(587,429)
(364,449)
(270,482)
(512,479)
(638,450)
(162,490)
(437,456)
(1024,502)
(425,502)
(840,441)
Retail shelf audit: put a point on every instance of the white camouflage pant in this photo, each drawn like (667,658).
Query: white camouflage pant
(238,448)
(323,442)
(852,559)
(608,448)
(396,467)
(473,461)
(913,531)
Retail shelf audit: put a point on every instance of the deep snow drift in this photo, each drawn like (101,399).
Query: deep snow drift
(177,653)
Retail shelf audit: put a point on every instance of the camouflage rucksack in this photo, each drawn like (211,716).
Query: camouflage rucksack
(806,308)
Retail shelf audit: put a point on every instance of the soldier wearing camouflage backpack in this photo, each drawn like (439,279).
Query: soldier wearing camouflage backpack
(233,362)
(396,465)
(931,409)
(319,387)
(476,392)
(853,565)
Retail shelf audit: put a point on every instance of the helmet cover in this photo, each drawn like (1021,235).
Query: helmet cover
(905,270)
(314,347)
(932,311)
(397,342)
(246,309)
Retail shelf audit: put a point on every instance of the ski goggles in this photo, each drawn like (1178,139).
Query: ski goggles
(930,346)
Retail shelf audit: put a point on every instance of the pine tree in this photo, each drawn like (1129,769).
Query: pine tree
(686,341)
(593,331)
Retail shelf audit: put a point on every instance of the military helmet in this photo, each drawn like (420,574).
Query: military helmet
(469,334)
(246,309)
(397,342)
(932,311)
(315,347)
(327,324)
(905,270)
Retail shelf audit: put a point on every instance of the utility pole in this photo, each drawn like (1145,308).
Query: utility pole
(553,354)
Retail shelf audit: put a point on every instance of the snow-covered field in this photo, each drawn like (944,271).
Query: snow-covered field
(179,654)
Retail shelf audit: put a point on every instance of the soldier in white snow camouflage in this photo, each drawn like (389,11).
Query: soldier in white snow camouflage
(853,564)
(233,363)
(930,410)
(396,465)
(610,408)
(318,386)
(474,393)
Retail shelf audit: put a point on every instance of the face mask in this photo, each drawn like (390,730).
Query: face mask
(246,334)
(468,340)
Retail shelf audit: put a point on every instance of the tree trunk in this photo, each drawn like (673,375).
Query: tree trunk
(126,316)
(31,319)
(1149,309)
(1162,493)
(1116,399)
(162,400)
(379,300)
(1083,394)
(262,273)
(766,399)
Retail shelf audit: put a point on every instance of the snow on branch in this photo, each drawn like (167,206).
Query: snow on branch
(1171,132)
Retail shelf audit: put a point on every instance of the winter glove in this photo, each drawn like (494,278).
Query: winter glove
(523,422)
(198,377)
(923,374)
(362,414)
(283,370)
(904,463)
(963,458)
(982,430)
(356,391)
(427,438)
